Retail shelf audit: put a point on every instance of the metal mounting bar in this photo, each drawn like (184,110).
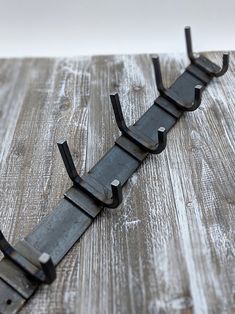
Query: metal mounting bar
(66,223)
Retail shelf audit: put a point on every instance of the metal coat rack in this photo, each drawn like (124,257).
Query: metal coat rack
(33,260)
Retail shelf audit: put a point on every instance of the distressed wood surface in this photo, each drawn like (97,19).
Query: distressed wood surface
(169,248)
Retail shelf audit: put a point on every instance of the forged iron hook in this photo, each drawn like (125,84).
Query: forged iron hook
(163,91)
(134,134)
(116,187)
(45,274)
(194,60)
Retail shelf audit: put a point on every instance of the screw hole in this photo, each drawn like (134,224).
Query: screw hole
(8,302)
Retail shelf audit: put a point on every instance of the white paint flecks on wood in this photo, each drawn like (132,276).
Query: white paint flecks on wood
(169,248)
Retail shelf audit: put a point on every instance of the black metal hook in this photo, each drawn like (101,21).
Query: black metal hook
(88,186)
(202,62)
(45,274)
(170,95)
(134,134)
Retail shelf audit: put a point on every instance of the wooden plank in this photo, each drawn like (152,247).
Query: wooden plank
(12,93)
(169,248)
(203,189)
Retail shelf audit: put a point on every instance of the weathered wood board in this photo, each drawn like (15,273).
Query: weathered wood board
(169,248)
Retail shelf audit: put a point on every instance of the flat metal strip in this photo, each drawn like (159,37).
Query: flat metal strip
(58,232)
(204,63)
(154,118)
(28,251)
(80,199)
(115,164)
(17,279)
(199,74)
(10,301)
(131,148)
(169,107)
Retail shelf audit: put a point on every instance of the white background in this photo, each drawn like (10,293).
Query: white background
(84,27)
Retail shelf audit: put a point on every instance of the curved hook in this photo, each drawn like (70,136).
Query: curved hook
(197,100)
(225,65)
(86,186)
(45,274)
(196,60)
(134,134)
(166,93)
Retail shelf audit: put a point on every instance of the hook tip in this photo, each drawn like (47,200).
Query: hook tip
(187,31)
(113,94)
(44,258)
(197,97)
(161,130)
(198,92)
(155,56)
(225,59)
(61,143)
(162,138)
(48,267)
(199,87)
(225,65)
(115,183)
(155,59)
(114,97)
(117,192)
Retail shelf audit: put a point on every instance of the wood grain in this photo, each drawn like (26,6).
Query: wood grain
(169,248)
